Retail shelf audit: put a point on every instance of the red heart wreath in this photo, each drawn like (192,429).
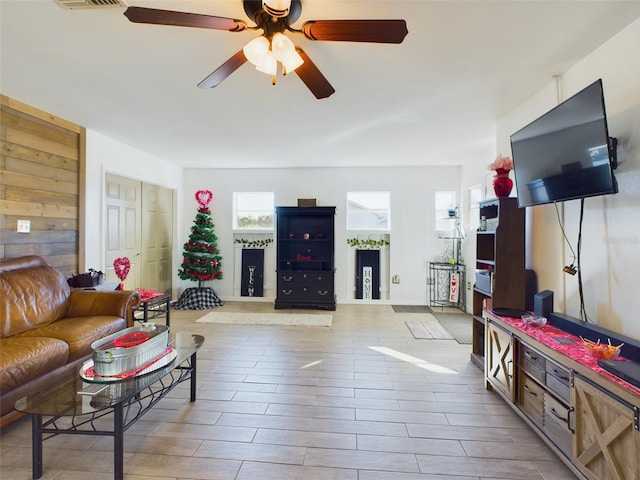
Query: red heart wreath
(122,265)
(204,197)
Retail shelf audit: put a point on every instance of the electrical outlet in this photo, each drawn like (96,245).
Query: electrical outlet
(430,281)
(395,279)
(24,226)
(468,285)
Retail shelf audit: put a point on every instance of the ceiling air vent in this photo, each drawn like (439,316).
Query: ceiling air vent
(71,4)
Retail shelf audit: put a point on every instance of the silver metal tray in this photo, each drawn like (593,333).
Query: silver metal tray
(111,359)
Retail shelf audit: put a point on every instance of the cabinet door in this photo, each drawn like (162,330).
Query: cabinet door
(499,359)
(607,441)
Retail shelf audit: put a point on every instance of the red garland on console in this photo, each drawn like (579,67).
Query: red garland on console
(201,258)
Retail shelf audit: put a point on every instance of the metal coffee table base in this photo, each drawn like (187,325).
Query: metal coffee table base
(125,414)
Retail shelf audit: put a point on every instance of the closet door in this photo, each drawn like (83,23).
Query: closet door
(123,200)
(157,237)
(139,226)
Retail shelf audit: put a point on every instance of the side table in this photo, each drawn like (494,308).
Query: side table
(440,284)
(155,307)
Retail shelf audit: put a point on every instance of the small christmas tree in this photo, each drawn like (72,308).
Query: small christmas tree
(201,259)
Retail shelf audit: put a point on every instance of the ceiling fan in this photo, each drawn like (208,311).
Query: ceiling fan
(274,17)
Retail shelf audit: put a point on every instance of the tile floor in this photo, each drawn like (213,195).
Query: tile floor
(361,400)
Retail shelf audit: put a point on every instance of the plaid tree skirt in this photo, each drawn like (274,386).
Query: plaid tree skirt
(197,299)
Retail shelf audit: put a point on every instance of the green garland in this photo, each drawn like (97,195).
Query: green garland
(254,243)
(367,244)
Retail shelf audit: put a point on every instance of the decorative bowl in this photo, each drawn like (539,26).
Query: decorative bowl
(534,321)
(146,293)
(601,351)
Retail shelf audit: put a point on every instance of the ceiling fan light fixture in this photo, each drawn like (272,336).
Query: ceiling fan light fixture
(256,50)
(281,46)
(273,17)
(293,61)
(276,8)
(268,64)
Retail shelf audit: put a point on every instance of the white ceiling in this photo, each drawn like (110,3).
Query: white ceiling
(433,100)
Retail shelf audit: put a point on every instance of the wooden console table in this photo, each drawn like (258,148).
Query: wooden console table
(587,416)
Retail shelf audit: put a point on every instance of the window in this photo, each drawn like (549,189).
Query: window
(475,196)
(368,211)
(444,203)
(253,210)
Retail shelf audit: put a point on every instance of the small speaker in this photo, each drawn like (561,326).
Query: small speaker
(543,303)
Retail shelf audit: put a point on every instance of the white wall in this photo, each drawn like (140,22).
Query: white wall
(611,226)
(413,241)
(611,232)
(105,155)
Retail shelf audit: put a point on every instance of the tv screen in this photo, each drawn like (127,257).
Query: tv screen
(565,154)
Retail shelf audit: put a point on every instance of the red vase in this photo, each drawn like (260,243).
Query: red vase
(502,184)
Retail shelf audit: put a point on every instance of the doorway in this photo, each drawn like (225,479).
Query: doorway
(139,226)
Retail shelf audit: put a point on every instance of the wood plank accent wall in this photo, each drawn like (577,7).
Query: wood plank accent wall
(42,169)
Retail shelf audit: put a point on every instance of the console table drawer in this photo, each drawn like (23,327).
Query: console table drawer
(557,423)
(532,399)
(558,380)
(533,363)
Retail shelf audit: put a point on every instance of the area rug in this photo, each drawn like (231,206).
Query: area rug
(240,318)
(411,309)
(429,328)
(459,325)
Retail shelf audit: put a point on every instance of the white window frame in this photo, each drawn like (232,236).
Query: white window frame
(359,206)
(443,201)
(263,205)
(474,199)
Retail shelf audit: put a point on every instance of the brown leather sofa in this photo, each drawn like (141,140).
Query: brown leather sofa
(46,329)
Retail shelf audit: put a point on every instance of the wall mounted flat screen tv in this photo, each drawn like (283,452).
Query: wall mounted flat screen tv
(565,154)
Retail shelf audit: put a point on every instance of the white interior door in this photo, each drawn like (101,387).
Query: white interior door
(123,227)
(157,238)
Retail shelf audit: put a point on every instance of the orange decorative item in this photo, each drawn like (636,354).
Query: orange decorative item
(602,350)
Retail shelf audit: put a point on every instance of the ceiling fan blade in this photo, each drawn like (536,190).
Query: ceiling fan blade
(373,31)
(224,70)
(312,77)
(182,19)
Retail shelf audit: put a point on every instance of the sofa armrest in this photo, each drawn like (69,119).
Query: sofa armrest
(118,303)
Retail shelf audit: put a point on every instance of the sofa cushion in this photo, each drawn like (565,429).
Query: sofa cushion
(79,332)
(31,297)
(25,359)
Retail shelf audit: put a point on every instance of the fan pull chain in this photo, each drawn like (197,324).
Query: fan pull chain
(273,80)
